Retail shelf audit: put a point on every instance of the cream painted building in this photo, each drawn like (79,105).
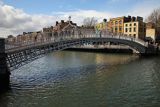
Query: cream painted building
(151,33)
(135,29)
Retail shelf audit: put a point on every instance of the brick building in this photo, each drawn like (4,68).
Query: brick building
(116,25)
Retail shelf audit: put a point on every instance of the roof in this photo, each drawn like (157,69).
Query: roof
(117,18)
(70,24)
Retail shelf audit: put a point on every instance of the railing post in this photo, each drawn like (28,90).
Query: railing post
(4,71)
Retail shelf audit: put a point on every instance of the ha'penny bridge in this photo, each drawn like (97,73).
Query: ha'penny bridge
(17,54)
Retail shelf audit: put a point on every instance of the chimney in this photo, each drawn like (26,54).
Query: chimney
(139,18)
(133,19)
(62,21)
(56,23)
(24,33)
(129,18)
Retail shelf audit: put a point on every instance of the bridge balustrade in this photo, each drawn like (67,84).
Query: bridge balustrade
(67,35)
(66,39)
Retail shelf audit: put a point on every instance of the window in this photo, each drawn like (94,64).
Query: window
(126,30)
(120,22)
(120,29)
(134,24)
(116,29)
(134,35)
(130,30)
(126,25)
(116,22)
(130,24)
(134,29)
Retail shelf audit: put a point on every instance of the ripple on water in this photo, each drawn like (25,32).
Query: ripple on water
(71,79)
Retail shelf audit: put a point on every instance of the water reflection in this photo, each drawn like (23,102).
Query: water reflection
(78,79)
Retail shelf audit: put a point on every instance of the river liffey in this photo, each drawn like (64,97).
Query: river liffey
(81,79)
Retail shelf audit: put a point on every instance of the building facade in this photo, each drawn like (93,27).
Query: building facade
(152,31)
(11,38)
(59,28)
(135,28)
(116,25)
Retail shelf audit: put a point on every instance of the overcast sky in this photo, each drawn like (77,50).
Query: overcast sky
(17,16)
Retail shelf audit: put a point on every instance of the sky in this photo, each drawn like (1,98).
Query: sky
(18,16)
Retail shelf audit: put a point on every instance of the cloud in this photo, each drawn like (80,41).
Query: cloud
(15,21)
(144,8)
(79,15)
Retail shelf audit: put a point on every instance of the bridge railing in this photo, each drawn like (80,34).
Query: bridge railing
(123,37)
(45,39)
(120,36)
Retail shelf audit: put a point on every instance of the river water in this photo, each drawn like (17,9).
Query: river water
(79,79)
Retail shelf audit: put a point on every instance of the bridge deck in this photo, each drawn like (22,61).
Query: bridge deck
(19,54)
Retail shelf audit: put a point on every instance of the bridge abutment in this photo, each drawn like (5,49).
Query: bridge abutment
(4,71)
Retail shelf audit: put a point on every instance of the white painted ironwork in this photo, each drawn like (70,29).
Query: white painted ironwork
(70,35)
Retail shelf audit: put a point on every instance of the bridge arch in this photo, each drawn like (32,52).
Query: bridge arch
(134,45)
(23,54)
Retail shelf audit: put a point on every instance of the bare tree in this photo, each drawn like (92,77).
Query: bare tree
(89,22)
(154,17)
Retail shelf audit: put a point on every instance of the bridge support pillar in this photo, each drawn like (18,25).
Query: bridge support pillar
(4,71)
